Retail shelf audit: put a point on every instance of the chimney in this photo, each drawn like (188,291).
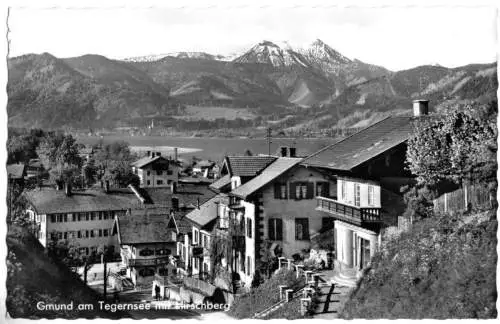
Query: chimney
(420,108)
(173,187)
(293,152)
(106,186)
(176,153)
(283,150)
(67,188)
(175,203)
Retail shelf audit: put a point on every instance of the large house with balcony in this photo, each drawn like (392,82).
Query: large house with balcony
(147,239)
(155,170)
(370,171)
(195,248)
(84,217)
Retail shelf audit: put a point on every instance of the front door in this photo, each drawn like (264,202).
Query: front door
(364,246)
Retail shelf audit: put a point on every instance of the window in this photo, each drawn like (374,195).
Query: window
(159,182)
(92,233)
(301,229)
(87,216)
(159,172)
(93,249)
(302,190)
(100,233)
(65,235)
(146,252)
(280,191)
(148,173)
(105,232)
(323,189)
(92,215)
(59,235)
(195,236)
(249,228)
(357,195)
(170,172)
(65,217)
(79,234)
(53,218)
(149,182)
(87,234)
(100,215)
(59,218)
(275,229)
(371,196)
(249,266)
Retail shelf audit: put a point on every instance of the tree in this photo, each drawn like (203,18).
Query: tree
(459,146)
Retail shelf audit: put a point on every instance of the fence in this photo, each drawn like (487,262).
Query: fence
(477,196)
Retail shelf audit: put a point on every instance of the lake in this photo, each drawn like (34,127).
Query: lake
(210,148)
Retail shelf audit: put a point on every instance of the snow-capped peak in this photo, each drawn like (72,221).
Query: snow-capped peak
(319,51)
(268,52)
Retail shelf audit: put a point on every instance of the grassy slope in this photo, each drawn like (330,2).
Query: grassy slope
(33,277)
(440,269)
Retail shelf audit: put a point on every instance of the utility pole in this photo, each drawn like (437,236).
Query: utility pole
(268,136)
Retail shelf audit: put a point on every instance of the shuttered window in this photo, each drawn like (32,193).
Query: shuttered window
(280,191)
(301,190)
(275,230)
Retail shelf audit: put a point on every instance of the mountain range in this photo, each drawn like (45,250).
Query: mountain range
(269,79)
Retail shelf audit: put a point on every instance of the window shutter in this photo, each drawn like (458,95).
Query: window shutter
(326,189)
(277,191)
(293,194)
(271,229)
(310,190)
(279,229)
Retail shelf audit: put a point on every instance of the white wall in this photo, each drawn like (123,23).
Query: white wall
(350,193)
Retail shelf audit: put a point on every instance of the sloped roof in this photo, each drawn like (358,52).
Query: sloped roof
(188,195)
(149,225)
(247,166)
(221,183)
(208,211)
(142,162)
(15,171)
(49,201)
(277,168)
(363,145)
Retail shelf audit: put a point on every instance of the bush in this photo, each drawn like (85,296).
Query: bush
(265,295)
(443,268)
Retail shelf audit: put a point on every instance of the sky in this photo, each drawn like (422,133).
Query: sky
(396,38)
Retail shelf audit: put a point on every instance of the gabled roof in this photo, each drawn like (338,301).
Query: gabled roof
(221,183)
(277,168)
(363,145)
(142,162)
(247,166)
(208,211)
(188,195)
(49,200)
(15,171)
(148,225)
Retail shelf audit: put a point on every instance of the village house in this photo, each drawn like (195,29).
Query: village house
(16,173)
(84,217)
(196,248)
(370,171)
(154,170)
(204,168)
(147,238)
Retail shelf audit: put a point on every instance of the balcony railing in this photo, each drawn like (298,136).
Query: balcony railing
(149,262)
(352,214)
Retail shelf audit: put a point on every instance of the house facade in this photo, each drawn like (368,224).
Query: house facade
(370,171)
(155,171)
(147,238)
(83,217)
(277,211)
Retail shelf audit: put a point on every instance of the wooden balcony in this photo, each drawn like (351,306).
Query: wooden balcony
(148,262)
(348,213)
